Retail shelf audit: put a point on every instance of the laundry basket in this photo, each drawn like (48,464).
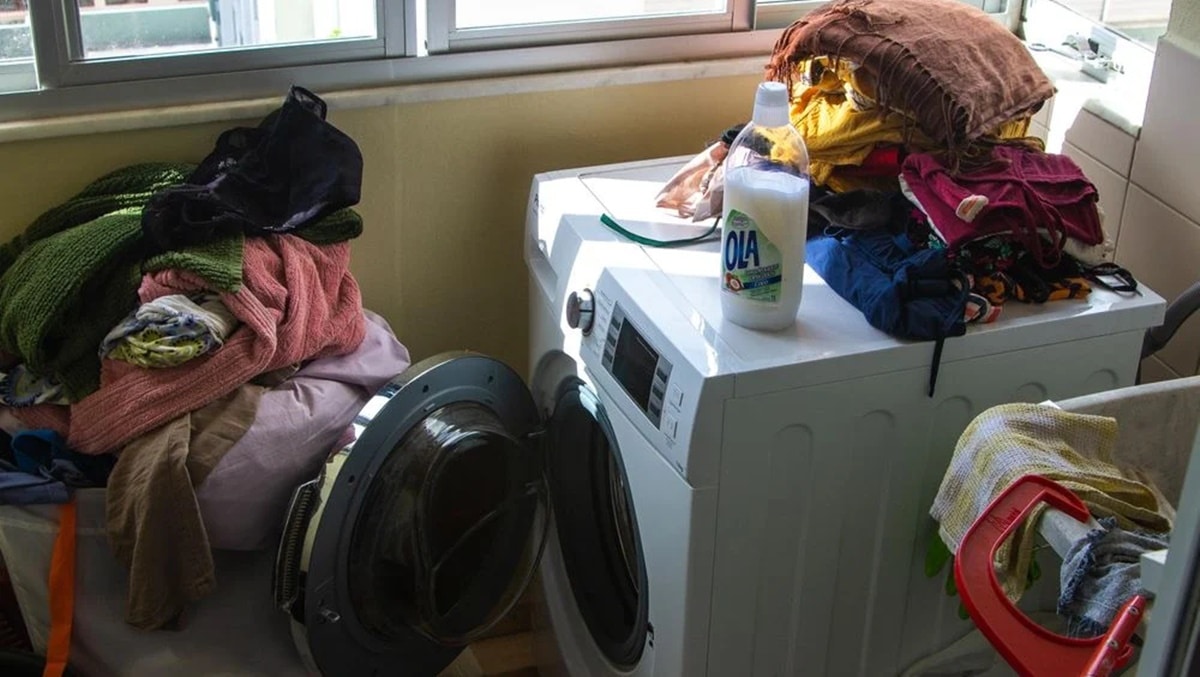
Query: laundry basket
(1157,424)
(235,631)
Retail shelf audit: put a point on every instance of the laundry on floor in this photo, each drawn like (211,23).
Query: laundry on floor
(191,338)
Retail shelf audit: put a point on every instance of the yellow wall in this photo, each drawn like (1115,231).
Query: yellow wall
(444,189)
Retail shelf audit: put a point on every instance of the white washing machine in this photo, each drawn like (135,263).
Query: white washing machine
(780,481)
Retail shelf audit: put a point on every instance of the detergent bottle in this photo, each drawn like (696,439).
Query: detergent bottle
(765,217)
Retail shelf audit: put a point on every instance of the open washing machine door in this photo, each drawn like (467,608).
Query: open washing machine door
(424,531)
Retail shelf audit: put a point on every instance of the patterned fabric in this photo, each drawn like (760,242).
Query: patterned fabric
(980,310)
(989,255)
(20,387)
(169,331)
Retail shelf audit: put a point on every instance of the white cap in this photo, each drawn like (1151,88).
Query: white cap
(771,105)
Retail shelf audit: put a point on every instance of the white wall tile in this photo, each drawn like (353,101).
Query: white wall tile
(1104,141)
(1110,186)
(1167,161)
(1161,248)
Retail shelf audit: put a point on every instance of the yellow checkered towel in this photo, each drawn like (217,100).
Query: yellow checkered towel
(1011,440)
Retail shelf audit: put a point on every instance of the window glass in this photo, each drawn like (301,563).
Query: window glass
(113,28)
(16,43)
(490,13)
(1142,20)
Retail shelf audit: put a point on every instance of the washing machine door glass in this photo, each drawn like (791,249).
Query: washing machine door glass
(447,539)
(424,531)
(596,524)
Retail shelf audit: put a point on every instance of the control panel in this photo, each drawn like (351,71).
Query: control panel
(637,366)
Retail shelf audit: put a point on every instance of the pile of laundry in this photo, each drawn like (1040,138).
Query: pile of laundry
(930,206)
(191,338)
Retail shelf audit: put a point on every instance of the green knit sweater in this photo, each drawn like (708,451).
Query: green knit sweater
(74,273)
(125,188)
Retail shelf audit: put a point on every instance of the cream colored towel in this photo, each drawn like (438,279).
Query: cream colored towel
(1011,440)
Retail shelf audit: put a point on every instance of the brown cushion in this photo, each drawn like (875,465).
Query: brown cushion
(956,71)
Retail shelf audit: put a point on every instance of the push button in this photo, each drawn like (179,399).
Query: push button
(670,426)
(675,397)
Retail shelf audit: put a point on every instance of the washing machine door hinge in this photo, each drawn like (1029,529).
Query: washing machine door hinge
(536,440)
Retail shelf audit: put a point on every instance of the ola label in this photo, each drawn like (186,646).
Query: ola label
(752,264)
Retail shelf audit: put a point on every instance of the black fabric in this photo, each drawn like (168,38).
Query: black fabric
(731,133)
(1038,281)
(286,173)
(862,209)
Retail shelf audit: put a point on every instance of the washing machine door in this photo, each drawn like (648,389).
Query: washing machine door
(425,529)
(596,524)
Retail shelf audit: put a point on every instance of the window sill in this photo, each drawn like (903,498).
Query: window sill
(248,109)
(1121,101)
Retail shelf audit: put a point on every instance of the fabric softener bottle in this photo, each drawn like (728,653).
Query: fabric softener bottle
(765,217)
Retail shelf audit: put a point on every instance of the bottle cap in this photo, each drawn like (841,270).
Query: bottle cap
(772,94)
(771,104)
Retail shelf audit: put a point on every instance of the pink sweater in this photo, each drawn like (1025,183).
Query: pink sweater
(298,301)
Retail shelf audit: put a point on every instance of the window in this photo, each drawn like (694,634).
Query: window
(113,28)
(457,25)
(96,41)
(59,57)
(1140,20)
(486,13)
(16,47)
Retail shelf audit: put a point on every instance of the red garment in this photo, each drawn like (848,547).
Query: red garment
(882,161)
(298,301)
(1020,192)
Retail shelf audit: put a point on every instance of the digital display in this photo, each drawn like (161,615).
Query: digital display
(633,365)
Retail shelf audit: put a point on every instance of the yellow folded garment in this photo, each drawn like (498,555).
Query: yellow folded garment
(837,133)
(833,108)
(1011,440)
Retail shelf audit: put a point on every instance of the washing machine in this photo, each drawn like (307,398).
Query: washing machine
(780,482)
(465,482)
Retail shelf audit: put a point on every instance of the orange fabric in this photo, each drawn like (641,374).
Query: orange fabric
(62,593)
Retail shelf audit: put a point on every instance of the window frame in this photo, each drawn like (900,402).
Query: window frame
(771,15)
(64,88)
(61,61)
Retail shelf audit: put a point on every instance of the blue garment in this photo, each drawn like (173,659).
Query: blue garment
(44,453)
(18,488)
(1100,574)
(901,288)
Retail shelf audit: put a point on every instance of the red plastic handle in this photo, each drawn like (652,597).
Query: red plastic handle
(1114,652)
(1029,648)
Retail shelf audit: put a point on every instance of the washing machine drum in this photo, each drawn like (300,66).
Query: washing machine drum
(422,532)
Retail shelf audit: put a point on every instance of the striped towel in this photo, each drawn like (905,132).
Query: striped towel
(1011,440)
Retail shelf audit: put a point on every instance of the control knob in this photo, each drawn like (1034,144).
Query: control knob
(581,310)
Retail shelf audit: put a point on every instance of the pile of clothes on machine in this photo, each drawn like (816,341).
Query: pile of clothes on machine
(191,338)
(930,207)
